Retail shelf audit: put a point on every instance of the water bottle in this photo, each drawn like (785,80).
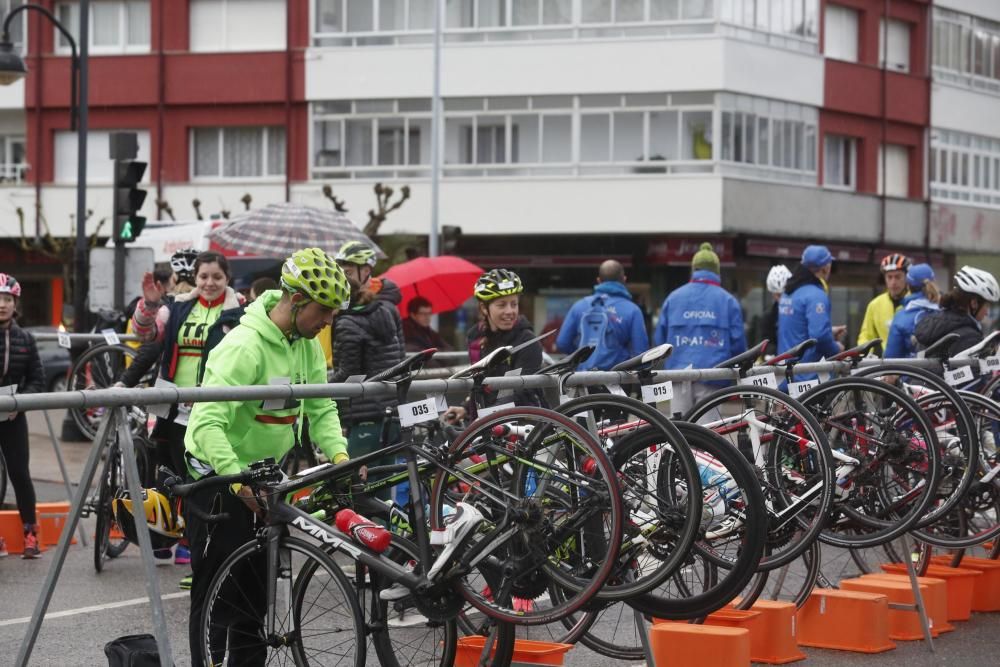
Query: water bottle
(370,534)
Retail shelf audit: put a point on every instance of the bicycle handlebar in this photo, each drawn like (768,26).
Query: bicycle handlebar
(261,472)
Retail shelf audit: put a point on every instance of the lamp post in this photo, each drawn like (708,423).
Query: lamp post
(12,68)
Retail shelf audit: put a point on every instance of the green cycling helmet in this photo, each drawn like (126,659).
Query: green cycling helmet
(356,252)
(497,283)
(313,273)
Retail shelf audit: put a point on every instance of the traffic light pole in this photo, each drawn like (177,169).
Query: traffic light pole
(127,200)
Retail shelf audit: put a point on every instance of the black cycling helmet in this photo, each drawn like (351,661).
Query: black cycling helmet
(182,262)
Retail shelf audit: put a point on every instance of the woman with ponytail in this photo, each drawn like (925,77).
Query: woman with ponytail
(923,299)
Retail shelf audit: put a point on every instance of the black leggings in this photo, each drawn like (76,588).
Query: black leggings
(168,437)
(14,445)
(239,613)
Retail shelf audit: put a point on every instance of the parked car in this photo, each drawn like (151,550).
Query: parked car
(55,360)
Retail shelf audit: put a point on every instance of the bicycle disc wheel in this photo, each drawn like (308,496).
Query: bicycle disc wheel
(732,532)
(517,467)
(317,619)
(785,443)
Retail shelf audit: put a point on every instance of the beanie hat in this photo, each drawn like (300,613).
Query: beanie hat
(705,259)
(816,256)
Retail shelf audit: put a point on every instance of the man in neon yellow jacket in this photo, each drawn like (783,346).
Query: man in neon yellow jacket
(881,309)
(275,343)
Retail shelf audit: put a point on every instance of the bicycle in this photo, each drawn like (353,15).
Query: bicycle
(516,523)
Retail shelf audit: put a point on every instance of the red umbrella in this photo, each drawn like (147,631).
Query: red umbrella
(445,281)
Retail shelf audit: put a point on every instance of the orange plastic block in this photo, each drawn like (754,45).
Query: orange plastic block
(687,645)
(903,624)
(986,593)
(935,598)
(526,652)
(845,621)
(772,630)
(960,581)
(12,531)
(52,517)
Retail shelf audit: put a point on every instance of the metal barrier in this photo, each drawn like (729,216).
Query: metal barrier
(115,424)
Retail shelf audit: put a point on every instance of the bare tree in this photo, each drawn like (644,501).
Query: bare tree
(338,204)
(196,203)
(383,197)
(246,199)
(162,206)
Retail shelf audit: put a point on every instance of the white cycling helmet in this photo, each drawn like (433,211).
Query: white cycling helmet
(182,262)
(978,282)
(777,277)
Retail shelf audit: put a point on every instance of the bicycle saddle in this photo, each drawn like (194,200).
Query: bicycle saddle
(939,348)
(858,351)
(647,360)
(985,347)
(568,363)
(793,353)
(484,365)
(405,368)
(743,362)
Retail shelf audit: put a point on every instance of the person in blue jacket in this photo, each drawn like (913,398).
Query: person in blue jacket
(704,323)
(608,320)
(923,298)
(804,309)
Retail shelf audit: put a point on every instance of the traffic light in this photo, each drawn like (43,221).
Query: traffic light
(128,199)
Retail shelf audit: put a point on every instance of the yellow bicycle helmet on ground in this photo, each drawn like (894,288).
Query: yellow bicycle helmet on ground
(166,526)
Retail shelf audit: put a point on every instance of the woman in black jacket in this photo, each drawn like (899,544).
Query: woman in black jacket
(963,310)
(22,369)
(501,323)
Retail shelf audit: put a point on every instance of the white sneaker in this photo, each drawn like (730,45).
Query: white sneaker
(728,526)
(408,620)
(395,592)
(460,527)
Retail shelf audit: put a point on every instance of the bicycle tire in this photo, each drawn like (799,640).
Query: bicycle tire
(297,591)
(803,587)
(3,479)
(892,453)
(109,486)
(392,654)
(746,498)
(99,368)
(964,427)
(815,471)
(511,498)
(689,511)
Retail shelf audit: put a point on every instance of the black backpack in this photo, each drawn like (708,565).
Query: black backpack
(132,651)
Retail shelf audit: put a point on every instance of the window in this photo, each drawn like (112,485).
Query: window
(895,181)
(12,159)
(964,168)
(99,165)
(768,134)
(898,55)
(17,26)
(840,162)
(788,17)
(116,26)
(841,33)
(237,152)
(967,49)
(237,25)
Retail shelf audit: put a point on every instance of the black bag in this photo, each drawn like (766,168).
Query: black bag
(133,651)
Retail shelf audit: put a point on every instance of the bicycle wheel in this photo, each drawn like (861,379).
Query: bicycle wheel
(97,368)
(401,633)
(975,520)
(888,460)
(952,419)
(732,532)
(785,443)
(663,515)
(110,483)
(317,619)
(516,466)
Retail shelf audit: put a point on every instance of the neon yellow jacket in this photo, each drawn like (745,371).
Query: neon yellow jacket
(878,317)
(230,435)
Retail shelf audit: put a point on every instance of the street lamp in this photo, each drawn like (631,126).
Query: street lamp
(12,68)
